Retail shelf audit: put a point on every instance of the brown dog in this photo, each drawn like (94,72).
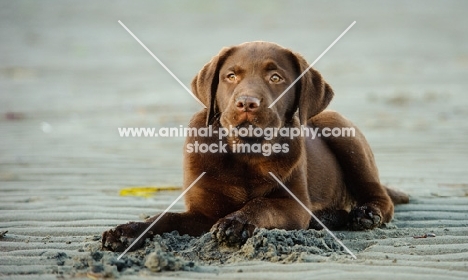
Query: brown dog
(335,177)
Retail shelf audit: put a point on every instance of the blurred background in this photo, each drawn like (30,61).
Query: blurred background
(70,75)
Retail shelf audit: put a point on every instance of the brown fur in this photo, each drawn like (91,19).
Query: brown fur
(335,177)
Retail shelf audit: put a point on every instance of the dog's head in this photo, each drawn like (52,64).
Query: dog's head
(239,84)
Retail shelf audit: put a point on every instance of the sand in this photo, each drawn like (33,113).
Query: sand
(172,252)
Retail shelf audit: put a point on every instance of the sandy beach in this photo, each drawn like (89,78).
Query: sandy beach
(70,76)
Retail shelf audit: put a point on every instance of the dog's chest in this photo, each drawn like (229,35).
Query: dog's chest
(242,185)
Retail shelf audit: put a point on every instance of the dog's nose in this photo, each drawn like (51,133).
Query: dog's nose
(247,103)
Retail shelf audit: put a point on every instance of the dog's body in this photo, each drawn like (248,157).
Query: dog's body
(335,177)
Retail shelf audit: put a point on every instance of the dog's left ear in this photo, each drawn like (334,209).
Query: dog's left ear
(205,83)
(313,93)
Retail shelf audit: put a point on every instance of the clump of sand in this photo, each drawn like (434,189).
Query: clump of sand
(171,252)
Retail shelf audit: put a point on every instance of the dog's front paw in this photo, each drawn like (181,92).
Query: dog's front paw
(122,236)
(232,230)
(365,217)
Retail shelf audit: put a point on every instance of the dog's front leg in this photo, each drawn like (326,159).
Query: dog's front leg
(269,213)
(119,238)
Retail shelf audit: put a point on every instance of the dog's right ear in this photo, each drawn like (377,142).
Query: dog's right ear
(205,83)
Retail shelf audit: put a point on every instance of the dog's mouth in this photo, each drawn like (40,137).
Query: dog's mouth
(249,121)
(249,133)
(246,131)
(250,126)
(247,118)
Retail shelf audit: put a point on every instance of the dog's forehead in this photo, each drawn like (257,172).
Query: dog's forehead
(259,54)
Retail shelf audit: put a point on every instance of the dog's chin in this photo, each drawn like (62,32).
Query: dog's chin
(246,140)
(246,125)
(249,125)
(239,138)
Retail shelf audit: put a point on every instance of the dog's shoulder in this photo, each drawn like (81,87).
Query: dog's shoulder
(199,131)
(198,119)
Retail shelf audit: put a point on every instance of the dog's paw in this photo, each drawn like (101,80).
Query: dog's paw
(122,236)
(365,217)
(232,230)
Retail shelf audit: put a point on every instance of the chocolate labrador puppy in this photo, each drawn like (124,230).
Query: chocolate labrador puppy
(335,177)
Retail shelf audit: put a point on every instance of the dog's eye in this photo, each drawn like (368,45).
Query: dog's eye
(275,78)
(231,77)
